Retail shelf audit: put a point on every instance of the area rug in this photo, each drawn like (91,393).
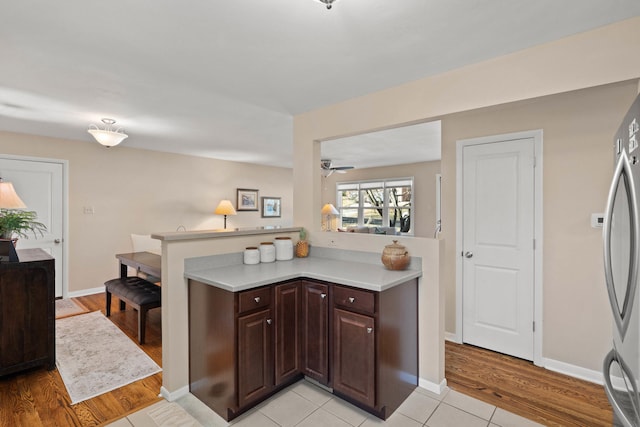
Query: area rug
(93,356)
(69,307)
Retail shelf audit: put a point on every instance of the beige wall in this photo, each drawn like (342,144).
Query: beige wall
(424,189)
(141,191)
(577,165)
(585,60)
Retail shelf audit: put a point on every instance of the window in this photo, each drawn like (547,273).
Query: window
(381,203)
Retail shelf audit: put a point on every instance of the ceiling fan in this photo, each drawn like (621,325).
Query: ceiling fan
(328,169)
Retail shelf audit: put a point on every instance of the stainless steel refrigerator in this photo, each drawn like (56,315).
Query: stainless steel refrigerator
(621,239)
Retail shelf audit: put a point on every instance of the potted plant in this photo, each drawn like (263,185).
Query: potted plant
(17,223)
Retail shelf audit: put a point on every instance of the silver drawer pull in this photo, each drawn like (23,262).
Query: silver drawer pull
(323,296)
(257,300)
(268,321)
(351,299)
(369,330)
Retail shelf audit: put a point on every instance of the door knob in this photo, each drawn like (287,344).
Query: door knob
(468,254)
(57,241)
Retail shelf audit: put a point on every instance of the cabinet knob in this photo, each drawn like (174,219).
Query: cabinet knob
(351,299)
(257,300)
(268,321)
(323,296)
(369,330)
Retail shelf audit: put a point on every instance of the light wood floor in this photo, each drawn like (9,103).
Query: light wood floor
(38,397)
(520,387)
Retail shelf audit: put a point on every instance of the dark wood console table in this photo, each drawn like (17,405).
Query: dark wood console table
(27,312)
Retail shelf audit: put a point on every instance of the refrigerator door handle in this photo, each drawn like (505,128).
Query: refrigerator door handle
(623,176)
(608,388)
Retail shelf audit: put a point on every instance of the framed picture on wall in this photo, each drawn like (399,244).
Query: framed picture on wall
(270,207)
(247,200)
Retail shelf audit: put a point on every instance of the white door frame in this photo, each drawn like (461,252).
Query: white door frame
(65,211)
(537,253)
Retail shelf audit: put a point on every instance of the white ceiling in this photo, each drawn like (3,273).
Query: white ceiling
(223,79)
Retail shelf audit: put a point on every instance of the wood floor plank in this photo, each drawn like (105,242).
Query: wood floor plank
(520,387)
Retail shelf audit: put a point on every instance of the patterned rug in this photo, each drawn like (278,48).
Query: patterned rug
(69,307)
(94,356)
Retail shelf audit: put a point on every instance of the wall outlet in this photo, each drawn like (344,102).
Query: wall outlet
(89,210)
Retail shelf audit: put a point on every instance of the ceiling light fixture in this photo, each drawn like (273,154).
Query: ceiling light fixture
(108,136)
(329,3)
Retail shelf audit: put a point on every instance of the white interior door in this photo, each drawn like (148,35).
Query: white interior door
(40,186)
(498,246)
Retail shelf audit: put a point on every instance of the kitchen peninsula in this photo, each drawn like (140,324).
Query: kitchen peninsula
(338,317)
(183,251)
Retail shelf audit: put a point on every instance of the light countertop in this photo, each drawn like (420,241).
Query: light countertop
(240,277)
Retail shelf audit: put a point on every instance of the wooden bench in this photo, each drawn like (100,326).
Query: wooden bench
(137,292)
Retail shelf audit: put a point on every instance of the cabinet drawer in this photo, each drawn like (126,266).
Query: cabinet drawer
(254,298)
(355,299)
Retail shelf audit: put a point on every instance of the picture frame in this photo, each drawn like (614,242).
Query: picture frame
(271,207)
(247,199)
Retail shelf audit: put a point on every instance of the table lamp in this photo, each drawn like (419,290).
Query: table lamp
(329,210)
(225,208)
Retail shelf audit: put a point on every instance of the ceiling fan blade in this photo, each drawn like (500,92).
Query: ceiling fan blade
(340,171)
(342,168)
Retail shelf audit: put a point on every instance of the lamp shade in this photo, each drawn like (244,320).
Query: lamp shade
(225,208)
(109,137)
(9,199)
(329,209)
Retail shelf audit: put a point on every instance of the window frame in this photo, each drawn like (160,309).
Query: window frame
(385,184)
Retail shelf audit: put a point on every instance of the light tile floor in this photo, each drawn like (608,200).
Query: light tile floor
(306,405)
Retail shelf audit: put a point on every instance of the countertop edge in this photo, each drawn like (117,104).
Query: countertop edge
(302,274)
(174,236)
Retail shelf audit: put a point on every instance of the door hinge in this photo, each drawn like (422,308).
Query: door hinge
(535,161)
(534,326)
(534,244)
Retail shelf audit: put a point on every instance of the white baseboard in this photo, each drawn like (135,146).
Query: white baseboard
(573,371)
(85,292)
(433,387)
(174,395)
(451,336)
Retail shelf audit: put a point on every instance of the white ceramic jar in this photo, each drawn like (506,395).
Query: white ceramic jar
(284,248)
(267,252)
(251,255)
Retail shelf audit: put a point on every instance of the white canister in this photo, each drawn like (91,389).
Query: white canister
(284,248)
(251,255)
(267,252)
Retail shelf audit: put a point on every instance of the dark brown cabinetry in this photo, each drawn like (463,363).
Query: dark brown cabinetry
(27,312)
(255,361)
(245,346)
(287,331)
(315,331)
(354,356)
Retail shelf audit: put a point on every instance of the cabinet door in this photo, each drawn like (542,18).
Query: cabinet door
(315,331)
(287,347)
(26,316)
(255,356)
(353,356)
